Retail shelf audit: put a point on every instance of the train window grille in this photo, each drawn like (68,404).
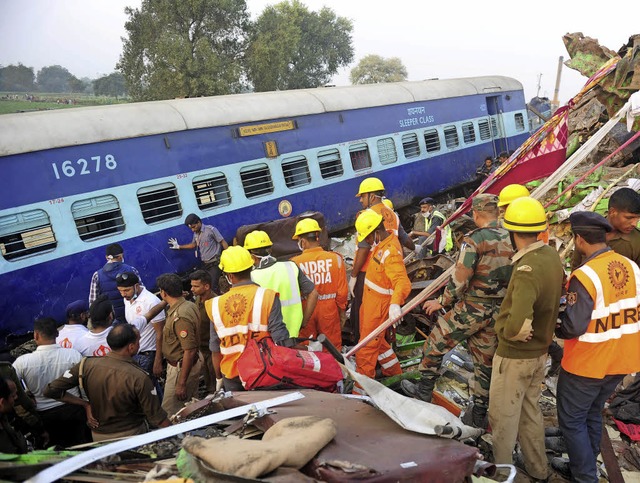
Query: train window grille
(159,202)
(25,234)
(211,190)
(360,158)
(256,180)
(97,217)
(387,151)
(485,132)
(468,133)
(494,127)
(410,145)
(451,137)
(519,118)
(330,163)
(432,140)
(296,171)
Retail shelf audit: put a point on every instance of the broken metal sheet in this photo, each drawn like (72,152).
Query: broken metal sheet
(64,468)
(369,444)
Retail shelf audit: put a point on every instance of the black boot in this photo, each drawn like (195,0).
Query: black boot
(476,414)
(555,352)
(420,390)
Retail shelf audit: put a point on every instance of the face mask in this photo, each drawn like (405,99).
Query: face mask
(300,245)
(376,240)
(228,279)
(426,215)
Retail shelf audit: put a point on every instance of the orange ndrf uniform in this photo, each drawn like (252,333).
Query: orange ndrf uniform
(239,315)
(328,273)
(386,283)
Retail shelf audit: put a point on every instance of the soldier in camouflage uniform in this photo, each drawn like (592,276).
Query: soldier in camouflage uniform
(474,293)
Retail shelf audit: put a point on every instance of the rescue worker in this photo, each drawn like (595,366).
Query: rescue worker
(425,224)
(371,194)
(600,325)
(525,328)
(76,326)
(329,274)
(233,316)
(122,399)
(285,278)
(180,344)
(623,216)
(386,286)
(201,288)
(473,295)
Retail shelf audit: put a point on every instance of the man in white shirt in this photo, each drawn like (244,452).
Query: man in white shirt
(65,423)
(137,302)
(76,326)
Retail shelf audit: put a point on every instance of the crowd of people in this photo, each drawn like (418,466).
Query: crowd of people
(127,360)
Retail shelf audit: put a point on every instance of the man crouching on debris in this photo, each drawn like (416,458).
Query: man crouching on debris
(233,316)
(601,328)
(122,398)
(525,328)
(475,292)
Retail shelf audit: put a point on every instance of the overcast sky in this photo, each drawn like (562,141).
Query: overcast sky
(441,39)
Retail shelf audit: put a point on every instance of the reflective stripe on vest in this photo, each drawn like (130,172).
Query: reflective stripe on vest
(610,344)
(327,296)
(447,230)
(377,288)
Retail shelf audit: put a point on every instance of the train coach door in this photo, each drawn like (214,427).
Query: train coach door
(496,121)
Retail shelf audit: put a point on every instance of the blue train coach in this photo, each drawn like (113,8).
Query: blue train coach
(76,180)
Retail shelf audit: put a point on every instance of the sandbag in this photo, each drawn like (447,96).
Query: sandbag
(264,365)
(291,442)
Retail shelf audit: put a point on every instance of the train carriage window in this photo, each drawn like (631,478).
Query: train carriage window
(432,139)
(256,180)
(387,151)
(494,128)
(296,171)
(97,217)
(451,137)
(519,118)
(485,132)
(468,133)
(410,145)
(360,158)
(330,163)
(24,234)
(211,190)
(159,202)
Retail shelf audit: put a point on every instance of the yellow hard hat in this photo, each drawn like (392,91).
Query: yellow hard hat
(369,185)
(512,192)
(306,225)
(388,203)
(525,215)
(257,239)
(367,221)
(235,259)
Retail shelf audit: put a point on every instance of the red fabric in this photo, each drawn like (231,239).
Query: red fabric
(631,430)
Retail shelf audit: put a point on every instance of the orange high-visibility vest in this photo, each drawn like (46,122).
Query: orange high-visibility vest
(238,315)
(612,341)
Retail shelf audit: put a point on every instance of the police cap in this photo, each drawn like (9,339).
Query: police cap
(74,309)
(485,202)
(589,222)
(427,201)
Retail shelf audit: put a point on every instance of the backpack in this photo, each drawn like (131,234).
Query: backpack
(265,365)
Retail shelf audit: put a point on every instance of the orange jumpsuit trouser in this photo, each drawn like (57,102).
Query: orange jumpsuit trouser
(324,320)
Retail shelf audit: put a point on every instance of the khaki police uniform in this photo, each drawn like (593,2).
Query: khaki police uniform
(181,332)
(208,373)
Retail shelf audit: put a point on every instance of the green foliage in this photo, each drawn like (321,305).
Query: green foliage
(184,48)
(291,47)
(55,78)
(373,69)
(110,85)
(17,78)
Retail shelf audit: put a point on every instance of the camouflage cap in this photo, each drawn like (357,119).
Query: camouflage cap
(484,202)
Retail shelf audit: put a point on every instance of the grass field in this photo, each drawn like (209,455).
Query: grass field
(16,102)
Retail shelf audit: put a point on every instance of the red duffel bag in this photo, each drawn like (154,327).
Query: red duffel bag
(265,365)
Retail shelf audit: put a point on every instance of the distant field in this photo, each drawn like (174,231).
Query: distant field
(16,102)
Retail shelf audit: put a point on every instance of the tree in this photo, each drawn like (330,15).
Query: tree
(291,47)
(373,69)
(55,78)
(184,48)
(17,78)
(110,85)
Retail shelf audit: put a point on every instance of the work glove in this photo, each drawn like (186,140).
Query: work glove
(395,312)
(173,244)
(352,286)
(219,384)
